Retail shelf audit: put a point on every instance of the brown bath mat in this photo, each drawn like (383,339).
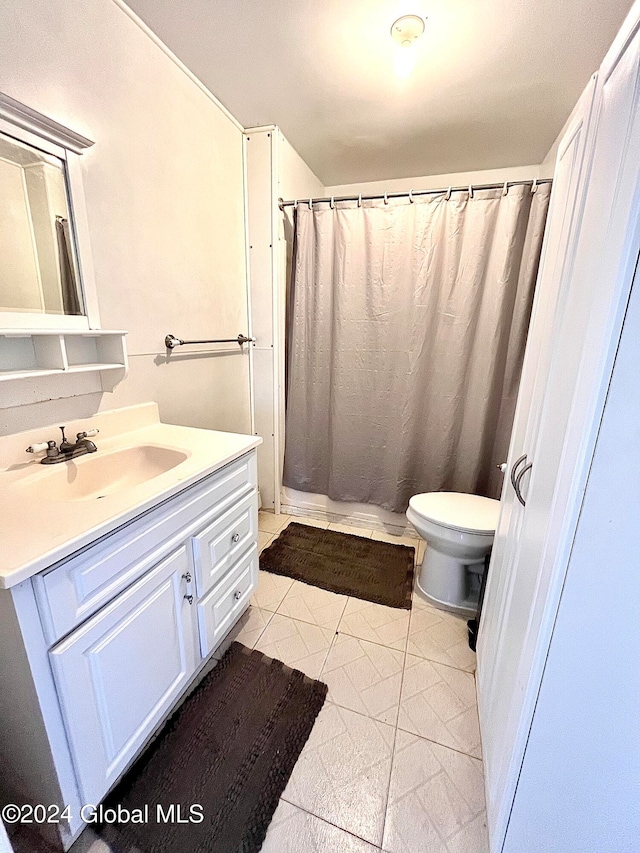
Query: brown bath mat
(350,565)
(230,748)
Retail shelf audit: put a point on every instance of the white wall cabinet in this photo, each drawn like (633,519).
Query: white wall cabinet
(536,796)
(97,650)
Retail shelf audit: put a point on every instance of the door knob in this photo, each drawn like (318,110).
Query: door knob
(187,577)
(238,595)
(235,537)
(502,467)
(189,598)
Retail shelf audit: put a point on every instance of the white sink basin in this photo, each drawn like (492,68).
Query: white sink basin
(97,475)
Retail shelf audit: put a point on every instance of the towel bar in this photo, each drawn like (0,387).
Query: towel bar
(171,341)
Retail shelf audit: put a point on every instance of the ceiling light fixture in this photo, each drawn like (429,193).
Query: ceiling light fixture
(405,32)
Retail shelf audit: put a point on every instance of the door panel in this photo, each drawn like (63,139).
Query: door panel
(119,673)
(585,339)
(557,259)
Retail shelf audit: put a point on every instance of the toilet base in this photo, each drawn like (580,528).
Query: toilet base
(467,609)
(449,583)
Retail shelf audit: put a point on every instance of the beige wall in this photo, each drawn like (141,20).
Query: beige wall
(295,178)
(435,182)
(164,192)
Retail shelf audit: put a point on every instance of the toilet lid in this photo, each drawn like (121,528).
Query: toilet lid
(470,513)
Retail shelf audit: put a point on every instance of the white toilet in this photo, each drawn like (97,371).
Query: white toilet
(459,530)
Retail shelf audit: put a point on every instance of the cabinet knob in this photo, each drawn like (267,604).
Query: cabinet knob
(235,537)
(187,577)
(238,595)
(189,598)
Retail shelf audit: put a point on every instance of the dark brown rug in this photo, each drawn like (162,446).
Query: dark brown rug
(226,754)
(343,563)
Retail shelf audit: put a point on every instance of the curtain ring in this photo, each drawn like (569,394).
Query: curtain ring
(505,189)
(448,195)
(310,204)
(332,203)
(411,196)
(534,186)
(386,200)
(360,200)
(470,191)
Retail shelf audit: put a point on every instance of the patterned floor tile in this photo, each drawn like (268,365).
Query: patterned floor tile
(404,539)
(298,644)
(343,772)
(270,591)
(264,540)
(440,636)
(436,800)
(364,677)
(309,521)
(349,528)
(314,605)
(89,842)
(439,703)
(250,626)
(376,623)
(271,522)
(293,830)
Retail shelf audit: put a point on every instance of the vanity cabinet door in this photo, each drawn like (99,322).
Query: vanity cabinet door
(121,671)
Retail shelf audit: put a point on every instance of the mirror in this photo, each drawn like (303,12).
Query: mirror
(38,269)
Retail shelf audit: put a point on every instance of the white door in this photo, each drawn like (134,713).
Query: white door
(585,339)
(558,255)
(119,673)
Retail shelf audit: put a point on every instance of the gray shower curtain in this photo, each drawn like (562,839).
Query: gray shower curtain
(408,323)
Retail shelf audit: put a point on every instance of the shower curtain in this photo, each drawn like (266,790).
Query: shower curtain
(407,328)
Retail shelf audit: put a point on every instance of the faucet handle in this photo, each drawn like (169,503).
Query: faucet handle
(87,434)
(36,448)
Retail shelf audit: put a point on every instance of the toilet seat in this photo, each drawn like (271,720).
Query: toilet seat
(458,511)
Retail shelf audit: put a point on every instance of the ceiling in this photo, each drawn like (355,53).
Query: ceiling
(493,84)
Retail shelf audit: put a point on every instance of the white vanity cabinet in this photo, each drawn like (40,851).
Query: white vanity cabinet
(121,671)
(99,648)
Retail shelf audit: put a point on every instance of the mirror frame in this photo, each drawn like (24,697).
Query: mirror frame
(37,130)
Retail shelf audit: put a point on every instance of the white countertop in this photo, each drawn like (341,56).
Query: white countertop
(35,533)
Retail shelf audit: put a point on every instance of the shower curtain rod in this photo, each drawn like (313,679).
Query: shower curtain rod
(411,193)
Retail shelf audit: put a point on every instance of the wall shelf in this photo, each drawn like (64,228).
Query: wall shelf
(30,353)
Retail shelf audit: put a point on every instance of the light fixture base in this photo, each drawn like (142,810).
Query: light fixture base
(407,29)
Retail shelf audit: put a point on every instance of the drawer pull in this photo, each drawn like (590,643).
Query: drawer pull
(235,537)
(238,595)
(189,598)
(187,577)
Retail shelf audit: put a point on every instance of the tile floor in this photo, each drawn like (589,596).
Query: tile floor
(393,762)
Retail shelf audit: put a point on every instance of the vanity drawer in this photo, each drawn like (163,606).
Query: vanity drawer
(73,590)
(223,605)
(219,545)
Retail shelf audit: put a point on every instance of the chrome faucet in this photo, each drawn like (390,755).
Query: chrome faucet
(67,450)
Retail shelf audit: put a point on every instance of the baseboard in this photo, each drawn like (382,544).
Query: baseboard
(323,508)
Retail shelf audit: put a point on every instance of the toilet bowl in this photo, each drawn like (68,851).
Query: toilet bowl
(459,530)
